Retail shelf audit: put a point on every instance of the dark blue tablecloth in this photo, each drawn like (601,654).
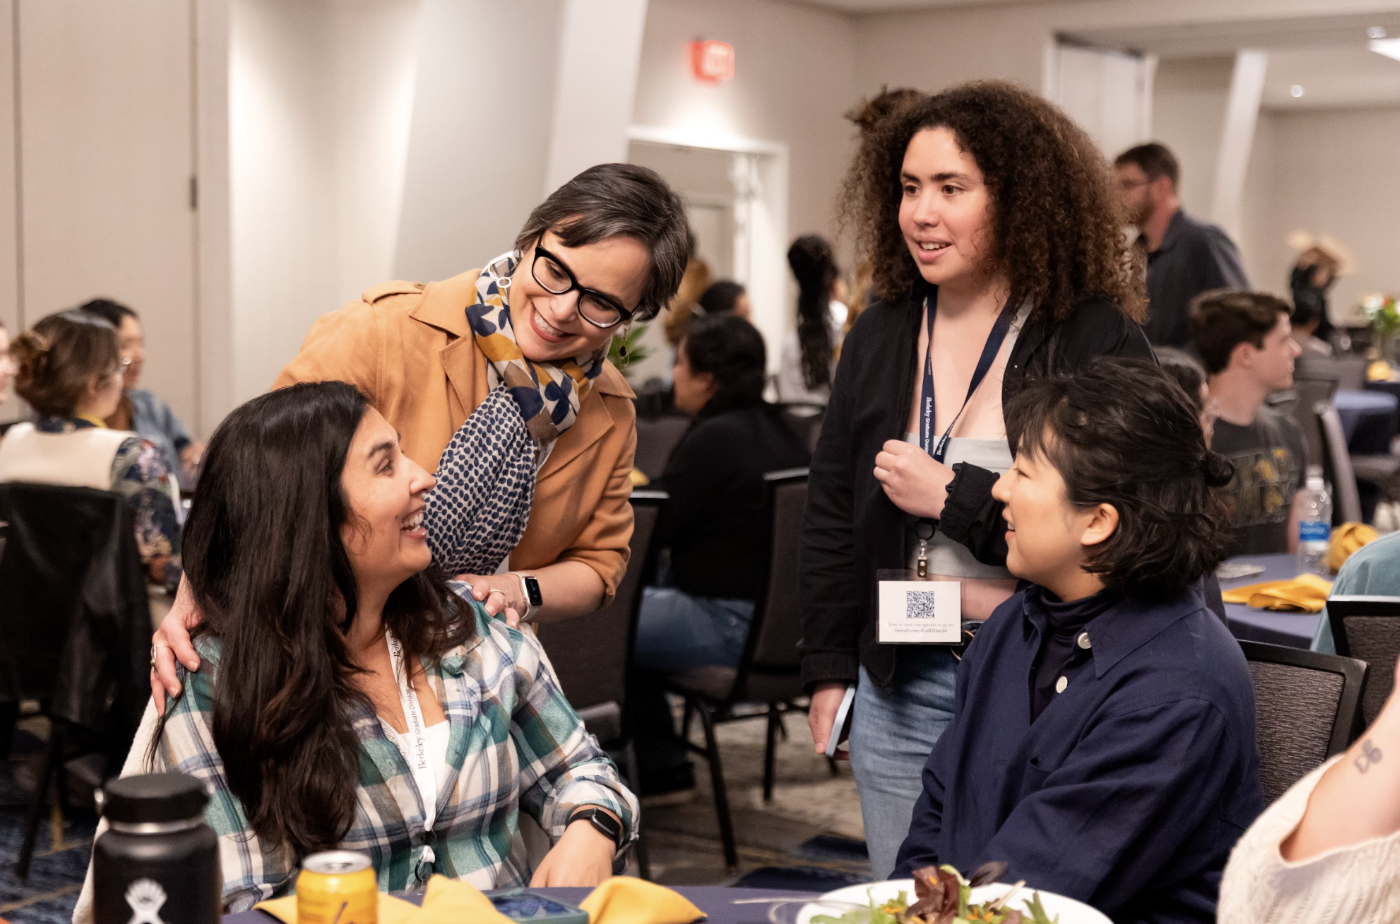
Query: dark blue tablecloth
(1293,629)
(716,901)
(1369,420)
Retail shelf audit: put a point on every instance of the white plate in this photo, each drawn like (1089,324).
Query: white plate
(1068,910)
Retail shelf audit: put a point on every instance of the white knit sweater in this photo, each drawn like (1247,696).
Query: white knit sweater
(1359,884)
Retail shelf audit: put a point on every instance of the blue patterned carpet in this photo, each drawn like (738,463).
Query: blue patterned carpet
(56,873)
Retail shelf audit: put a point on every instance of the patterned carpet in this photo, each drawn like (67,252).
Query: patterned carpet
(56,873)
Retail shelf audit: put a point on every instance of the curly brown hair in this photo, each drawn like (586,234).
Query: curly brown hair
(1055,216)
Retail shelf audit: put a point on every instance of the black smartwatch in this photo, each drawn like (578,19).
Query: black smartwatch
(601,820)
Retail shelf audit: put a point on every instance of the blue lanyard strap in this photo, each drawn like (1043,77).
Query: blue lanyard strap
(984,365)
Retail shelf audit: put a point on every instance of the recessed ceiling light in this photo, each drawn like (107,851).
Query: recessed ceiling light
(1389,47)
(1376,32)
(1296,90)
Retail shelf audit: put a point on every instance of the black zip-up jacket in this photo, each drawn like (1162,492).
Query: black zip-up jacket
(851,528)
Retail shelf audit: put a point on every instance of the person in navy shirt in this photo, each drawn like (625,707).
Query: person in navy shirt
(1103,738)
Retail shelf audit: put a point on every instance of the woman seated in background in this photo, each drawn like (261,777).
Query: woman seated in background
(307,555)
(1102,741)
(725,297)
(808,359)
(70,372)
(714,523)
(140,410)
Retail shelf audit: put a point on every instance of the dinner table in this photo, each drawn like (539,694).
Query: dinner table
(1296,630)
(721,904)
(1369,419)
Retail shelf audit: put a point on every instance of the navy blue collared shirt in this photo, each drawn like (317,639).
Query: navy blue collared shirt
(1128,791)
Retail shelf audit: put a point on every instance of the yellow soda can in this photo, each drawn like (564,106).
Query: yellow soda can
(337,887)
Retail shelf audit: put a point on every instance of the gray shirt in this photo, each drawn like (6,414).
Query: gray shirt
(1195,257)
(1269,458)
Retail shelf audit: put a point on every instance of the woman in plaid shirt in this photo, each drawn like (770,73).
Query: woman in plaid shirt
(307,555)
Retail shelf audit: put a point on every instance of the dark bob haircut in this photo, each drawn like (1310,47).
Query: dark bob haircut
(611,199)
(264,556)
(730,349)
(111,311)
(1121,432)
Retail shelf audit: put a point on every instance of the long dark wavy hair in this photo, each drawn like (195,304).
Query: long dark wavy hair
(1056,219)
(814,265)
(263,555)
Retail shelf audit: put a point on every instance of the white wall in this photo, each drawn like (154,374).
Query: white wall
(319,105)
(1327,172)
(1188,116)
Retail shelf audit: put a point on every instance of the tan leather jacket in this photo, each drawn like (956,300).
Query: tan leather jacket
(407,346)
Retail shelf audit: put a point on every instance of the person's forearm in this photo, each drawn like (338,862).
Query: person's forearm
(569,589)
(1358,799)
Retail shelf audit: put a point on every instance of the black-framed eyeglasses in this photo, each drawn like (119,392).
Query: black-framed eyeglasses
(557,279)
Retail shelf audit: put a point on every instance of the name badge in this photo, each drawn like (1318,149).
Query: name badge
(920,612)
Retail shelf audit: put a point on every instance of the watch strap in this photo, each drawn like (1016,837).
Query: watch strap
(525,595)
(602,821)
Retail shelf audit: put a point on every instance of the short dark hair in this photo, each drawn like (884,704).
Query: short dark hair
(730,349)
(1185,371)
(1154,159)
(57,357)
(110,311)
(611,199)
(720,297)
(1223,319)
(1120,432)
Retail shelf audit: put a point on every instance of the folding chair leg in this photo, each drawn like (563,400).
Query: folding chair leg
(775,726)
(726,827)
(52,756)
(831,761)
(634,780)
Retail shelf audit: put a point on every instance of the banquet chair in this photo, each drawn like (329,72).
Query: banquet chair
(805,420)
(656,437)
(1348,371)
(1308,393)
(75,627)
(1367,628)
(768,671)
(1336,467)
(1307,708)
(592,655)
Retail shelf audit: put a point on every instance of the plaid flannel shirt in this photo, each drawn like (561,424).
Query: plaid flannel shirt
(515,743)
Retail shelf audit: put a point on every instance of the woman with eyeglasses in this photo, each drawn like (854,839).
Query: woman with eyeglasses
(70,370)
(498,381)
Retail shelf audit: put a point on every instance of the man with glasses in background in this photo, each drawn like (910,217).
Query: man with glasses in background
(1185,257)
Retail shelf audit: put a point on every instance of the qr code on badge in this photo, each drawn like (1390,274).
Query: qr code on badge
(920,604)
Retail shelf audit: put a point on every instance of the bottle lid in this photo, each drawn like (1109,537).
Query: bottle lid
(154,798)
(1315,483)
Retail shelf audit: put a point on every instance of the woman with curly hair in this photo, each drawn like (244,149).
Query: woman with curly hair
(993,228)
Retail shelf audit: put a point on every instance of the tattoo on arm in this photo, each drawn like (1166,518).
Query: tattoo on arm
(1370,754)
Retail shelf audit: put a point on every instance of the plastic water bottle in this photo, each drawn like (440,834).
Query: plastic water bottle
(1314,526)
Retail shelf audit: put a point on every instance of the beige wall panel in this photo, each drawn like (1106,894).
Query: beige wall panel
(106,155)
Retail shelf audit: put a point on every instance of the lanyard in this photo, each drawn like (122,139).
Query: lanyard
(420,764)
(984,365)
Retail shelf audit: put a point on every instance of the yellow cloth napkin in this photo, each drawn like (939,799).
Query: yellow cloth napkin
(619,900)
(639,478)
(1346,539)
(1380,371)
(625,900)
(1305,593)
(447,901)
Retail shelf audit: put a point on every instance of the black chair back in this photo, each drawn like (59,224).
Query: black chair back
(75,622)
(1366,628)
(1308,393)
(656,437)
(805,420)
(1336,467)
(770,665)
(1307,706)
(592,654)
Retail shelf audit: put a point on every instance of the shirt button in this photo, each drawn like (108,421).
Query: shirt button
(1061,684)
(1084,640)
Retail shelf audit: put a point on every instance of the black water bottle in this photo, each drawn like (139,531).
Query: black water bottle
(158,862)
